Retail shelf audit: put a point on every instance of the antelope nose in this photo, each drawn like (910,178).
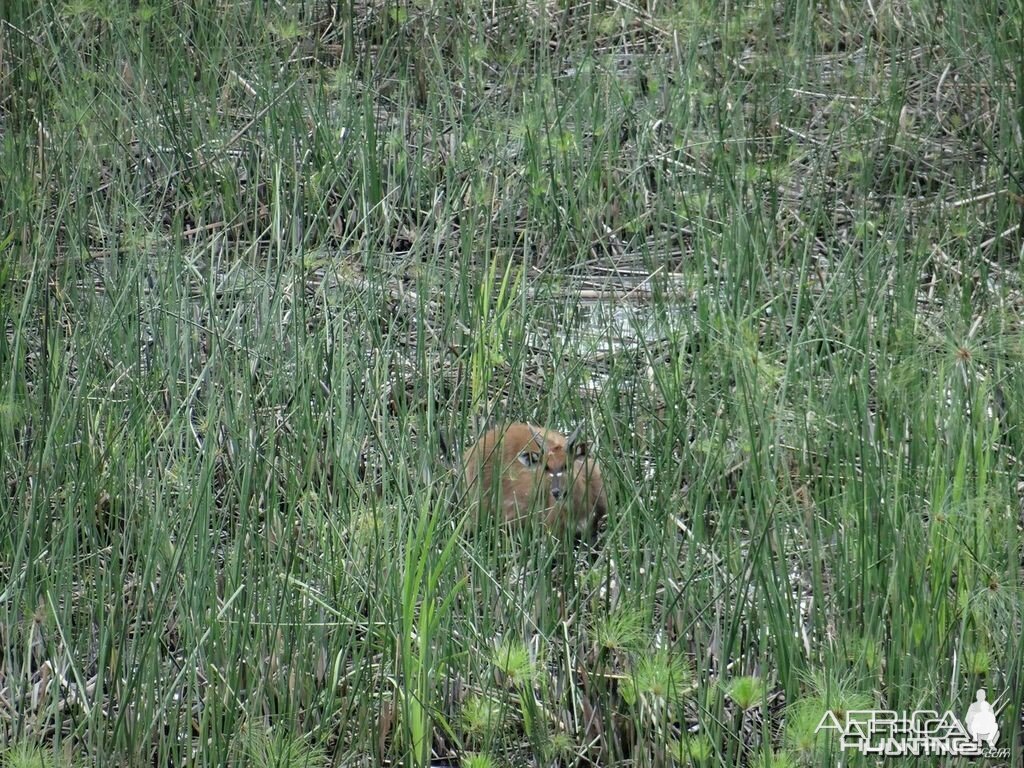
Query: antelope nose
(556,493)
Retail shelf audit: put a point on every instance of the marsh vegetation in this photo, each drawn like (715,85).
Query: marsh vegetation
(266,268)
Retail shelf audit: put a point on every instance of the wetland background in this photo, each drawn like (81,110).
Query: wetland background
(258,259)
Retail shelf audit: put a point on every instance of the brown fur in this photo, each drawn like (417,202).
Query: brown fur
(534,468)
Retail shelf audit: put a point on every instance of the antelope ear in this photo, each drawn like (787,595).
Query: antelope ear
(529,458)
(539,438)
(574,445)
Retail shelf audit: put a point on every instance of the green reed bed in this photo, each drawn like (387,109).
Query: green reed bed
(268,269)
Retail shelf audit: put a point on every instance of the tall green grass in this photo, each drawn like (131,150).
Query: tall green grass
(267,269)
